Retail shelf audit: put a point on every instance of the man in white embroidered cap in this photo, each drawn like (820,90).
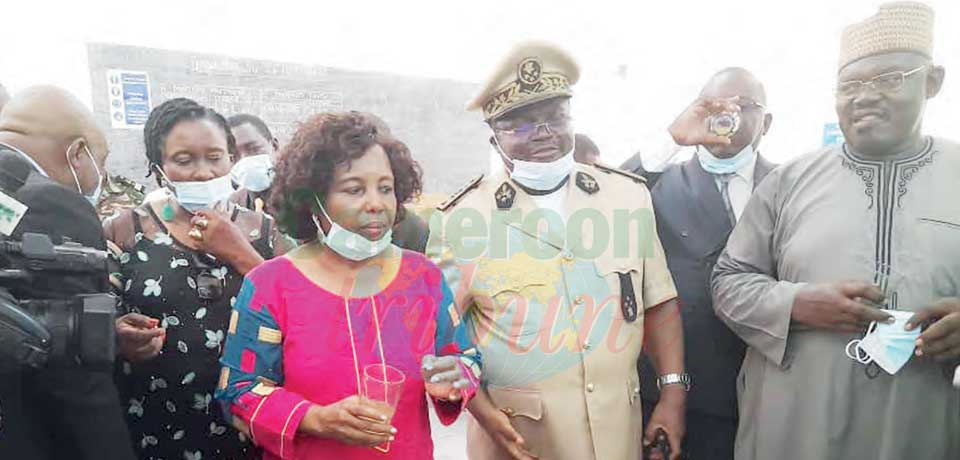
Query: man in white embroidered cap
(558,268)
(842,275)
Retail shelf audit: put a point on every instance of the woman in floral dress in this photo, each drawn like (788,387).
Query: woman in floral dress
(182,259)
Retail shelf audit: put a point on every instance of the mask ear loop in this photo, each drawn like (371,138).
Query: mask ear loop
(316,220)
(73,170)
(855,345)
(166,180)
(95,167)
(857,351)
(499,148)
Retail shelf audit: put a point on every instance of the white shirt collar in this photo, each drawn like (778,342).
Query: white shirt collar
(746,171)
(26,157)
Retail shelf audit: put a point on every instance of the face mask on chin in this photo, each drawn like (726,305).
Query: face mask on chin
(714,165)
(348,244)
(540,176)
(194,196)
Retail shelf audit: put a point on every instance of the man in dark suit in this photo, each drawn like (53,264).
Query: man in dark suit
(697,203)
(51,159)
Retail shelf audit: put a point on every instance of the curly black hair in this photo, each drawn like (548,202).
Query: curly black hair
(165,116)
(320,144)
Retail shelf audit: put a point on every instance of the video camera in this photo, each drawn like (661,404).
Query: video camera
(59,328)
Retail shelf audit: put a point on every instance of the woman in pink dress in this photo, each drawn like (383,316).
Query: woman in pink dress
(309,328)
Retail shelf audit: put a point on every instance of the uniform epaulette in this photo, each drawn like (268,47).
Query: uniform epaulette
(611,170)
(459,194)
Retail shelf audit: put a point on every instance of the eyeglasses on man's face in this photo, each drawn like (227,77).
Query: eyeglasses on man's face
(886,83)
(525,130)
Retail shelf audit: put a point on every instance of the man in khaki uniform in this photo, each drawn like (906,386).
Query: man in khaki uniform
(558,269)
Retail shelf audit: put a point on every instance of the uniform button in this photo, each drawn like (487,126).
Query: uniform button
(636,390)
(589,388)
(579,300)
(567,256)
(586,345)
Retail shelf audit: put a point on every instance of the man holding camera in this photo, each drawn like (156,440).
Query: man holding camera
(52,157)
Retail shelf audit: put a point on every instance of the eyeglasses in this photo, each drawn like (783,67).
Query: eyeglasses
(528,129)
(747,104)
(886,83)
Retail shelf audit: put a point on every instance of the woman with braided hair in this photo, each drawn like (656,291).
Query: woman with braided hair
(182,259)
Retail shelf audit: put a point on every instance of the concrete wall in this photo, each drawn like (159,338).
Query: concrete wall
(426,114)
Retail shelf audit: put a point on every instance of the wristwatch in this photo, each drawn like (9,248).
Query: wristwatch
(675,379)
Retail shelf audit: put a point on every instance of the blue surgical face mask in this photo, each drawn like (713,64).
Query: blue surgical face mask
(254,173)
(887,344)
(714,165)
(348,244)
(194,196)
(93,197)
(540,176)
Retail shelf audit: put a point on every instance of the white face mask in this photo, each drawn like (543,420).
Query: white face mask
(254,173)
(888,345)
(194,196)
(93,197)
(536,175)
(714,165)
(350,245)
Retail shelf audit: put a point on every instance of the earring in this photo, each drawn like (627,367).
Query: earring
(168,213)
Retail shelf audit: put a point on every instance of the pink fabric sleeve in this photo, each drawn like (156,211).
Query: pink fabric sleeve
(251,381)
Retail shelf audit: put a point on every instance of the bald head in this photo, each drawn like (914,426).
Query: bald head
(49,112)
(735,81)
(754,119)
(54,127)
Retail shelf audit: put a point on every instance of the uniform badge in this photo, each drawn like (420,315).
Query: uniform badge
(529,71)
(587,183)
(505,196)
(628,298)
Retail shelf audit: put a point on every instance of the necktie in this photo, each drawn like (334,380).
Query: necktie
(725,193)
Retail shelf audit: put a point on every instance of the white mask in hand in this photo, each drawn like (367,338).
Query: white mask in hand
(888,345)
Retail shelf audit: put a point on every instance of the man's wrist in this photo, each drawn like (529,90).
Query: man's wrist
(678,379)
(673,395)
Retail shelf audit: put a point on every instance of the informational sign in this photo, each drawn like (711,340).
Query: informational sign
(129,96)
(832,134)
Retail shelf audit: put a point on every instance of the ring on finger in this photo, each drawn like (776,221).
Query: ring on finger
(195,233)
(202,223)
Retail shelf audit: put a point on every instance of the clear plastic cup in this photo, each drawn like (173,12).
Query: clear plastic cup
(383,386)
